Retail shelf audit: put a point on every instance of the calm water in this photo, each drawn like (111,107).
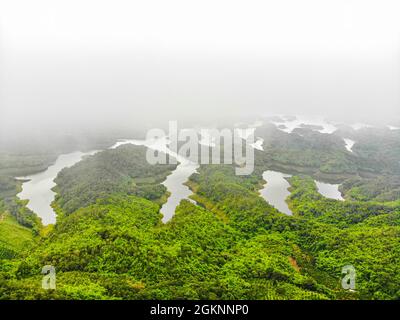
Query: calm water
(175,185)
(298,121)
(38,189)
(175,181)
(275,191)
(329,190)
(349,144)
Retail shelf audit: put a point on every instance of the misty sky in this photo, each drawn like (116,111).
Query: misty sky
(79,63)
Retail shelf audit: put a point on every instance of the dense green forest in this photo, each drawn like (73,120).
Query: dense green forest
(109,241)
(124,170)
(376,152)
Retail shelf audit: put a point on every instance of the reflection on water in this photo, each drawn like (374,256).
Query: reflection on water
(275,191)
(329,190)
(38,189)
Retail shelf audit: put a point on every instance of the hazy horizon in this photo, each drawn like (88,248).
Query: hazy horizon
(102,64)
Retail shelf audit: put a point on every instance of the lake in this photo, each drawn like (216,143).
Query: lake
(349,144)
(275,191)
(38,189)
(175,181)
(288,125)
(329,190)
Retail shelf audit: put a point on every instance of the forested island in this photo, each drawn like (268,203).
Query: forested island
(228,242)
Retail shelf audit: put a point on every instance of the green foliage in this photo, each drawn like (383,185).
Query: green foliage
(109,241)
(12,165)
(376,151)
(123,170)
(14,238)
(306,201)
(380,188)
(9,187)
(363,234)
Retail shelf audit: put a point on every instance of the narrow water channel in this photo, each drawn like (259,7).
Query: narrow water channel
(37,187)
(175,181)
